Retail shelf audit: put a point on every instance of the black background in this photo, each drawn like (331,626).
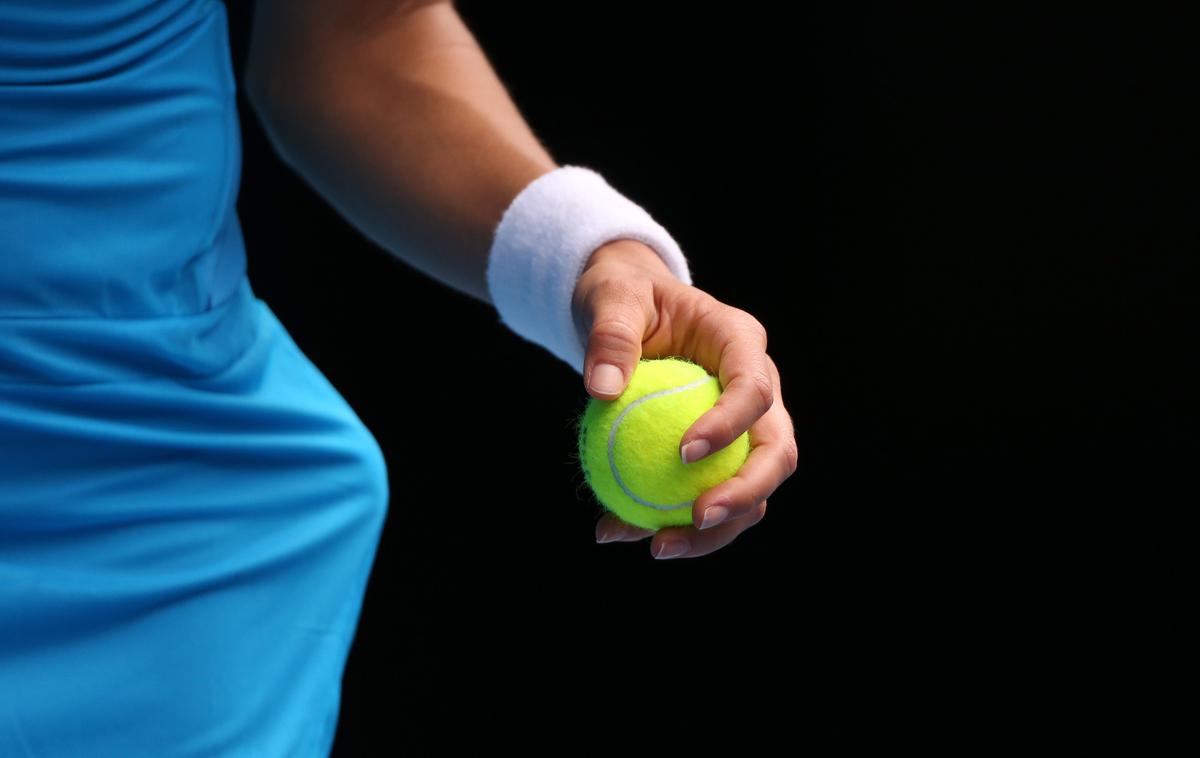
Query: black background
(967,233)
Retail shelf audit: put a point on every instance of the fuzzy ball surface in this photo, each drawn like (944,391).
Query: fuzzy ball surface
(629,447)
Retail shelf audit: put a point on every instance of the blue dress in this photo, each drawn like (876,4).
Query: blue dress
(189,511)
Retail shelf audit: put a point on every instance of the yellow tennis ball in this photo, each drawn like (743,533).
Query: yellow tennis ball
(629,447)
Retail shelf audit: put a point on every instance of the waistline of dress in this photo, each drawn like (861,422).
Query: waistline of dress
(85,350)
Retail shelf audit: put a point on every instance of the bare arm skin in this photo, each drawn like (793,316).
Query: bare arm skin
(391,111)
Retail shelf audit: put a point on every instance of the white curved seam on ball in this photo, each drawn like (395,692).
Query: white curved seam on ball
(612,441)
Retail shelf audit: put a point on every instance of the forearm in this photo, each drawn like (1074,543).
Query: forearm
(396,117)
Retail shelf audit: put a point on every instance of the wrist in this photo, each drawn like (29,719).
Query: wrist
(565,221)
(629,251)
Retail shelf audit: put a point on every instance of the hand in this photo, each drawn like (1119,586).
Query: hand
(627,303)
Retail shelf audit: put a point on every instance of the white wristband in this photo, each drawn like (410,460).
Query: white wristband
(544,240)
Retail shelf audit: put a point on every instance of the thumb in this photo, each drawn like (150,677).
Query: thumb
(614,345)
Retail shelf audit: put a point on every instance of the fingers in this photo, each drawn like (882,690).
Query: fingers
(682,541)
(618,316)
(687,542)
(773,458)
(612,529)
(739,343)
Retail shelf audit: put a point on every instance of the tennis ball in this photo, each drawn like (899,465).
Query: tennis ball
(629,447)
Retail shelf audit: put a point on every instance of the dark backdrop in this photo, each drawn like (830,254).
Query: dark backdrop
(963,232)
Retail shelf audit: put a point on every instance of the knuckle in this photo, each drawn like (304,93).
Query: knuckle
(616,324)
(791,455)
(758,330)
(764,390)
(731,319)
(615,332)
(724,331)
(692,304)
(749,324)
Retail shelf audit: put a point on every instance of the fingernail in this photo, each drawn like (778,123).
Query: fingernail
(714,515)
(606,379)
(671,549)
(695,450)
(607,536)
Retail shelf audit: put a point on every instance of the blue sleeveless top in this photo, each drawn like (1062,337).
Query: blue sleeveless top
(119,166)
(188,509)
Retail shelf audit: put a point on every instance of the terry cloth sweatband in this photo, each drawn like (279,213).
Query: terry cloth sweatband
(544,240)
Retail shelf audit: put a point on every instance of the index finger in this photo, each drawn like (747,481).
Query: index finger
(739,342)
